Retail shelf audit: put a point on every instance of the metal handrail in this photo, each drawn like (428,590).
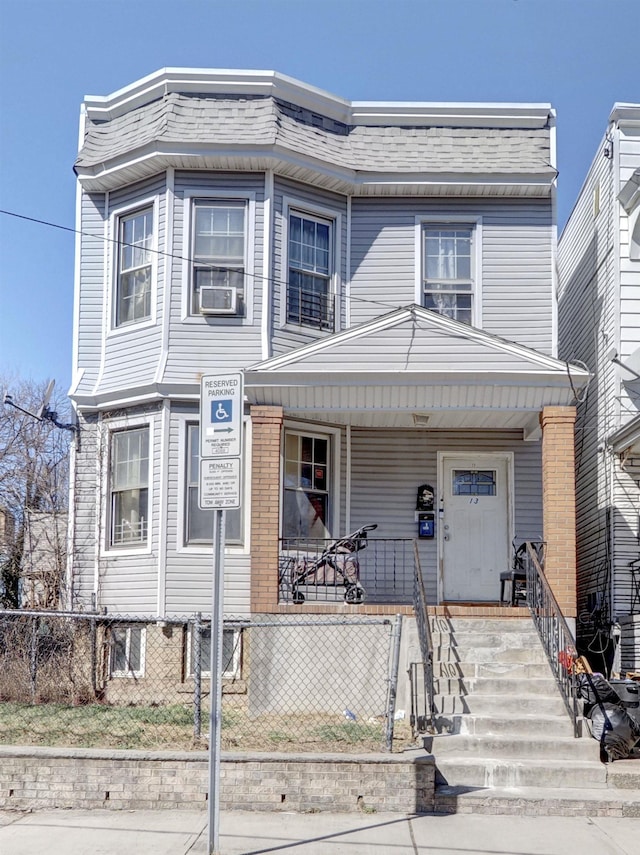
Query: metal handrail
(556,636)
(424,635)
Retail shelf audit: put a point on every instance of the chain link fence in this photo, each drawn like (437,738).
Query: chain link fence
(312,684)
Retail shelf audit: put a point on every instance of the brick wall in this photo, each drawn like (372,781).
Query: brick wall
(559,504)
(40,778)
(266,429)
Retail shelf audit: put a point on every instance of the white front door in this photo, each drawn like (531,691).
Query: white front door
(474,526)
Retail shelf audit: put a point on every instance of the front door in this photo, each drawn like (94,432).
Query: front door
(474,526)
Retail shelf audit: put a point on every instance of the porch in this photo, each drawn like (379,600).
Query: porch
(341,441)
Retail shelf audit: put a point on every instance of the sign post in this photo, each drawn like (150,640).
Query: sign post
(221,411)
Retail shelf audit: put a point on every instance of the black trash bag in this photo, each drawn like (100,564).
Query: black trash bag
(595,689)
(616,731)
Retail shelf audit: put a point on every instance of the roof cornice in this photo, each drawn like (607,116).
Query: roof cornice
(625,113)
(271,83)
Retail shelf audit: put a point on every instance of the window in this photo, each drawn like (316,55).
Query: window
(472,483)
(447,271)
(306,486)
(231,642)
(309,298)
(218,253)
(129,486)
(199,523)
(127,651)
(135,240)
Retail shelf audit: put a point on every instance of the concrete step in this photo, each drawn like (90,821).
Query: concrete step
(544,772)
(460,625)
(507,746)
(495,640)
(486,654)
(537,801)
(503,705)
(525,726)
(509,686)
(513,669)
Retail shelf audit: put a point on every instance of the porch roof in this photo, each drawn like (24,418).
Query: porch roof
(415,368)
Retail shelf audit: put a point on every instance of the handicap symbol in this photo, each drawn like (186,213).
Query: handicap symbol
(221,411)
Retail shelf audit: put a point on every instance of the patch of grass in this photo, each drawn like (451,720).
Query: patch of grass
(349,732)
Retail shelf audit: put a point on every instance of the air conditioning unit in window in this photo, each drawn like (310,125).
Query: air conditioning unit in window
(218,299)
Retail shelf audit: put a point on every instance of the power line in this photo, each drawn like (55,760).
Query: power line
(176,256)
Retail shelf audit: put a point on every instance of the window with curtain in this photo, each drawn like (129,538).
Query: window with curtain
(447,267)
(218,248)
(135,243)
(306,486)
(129,487)
(309,298)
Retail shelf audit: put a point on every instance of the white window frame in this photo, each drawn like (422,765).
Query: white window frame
(424,221)
(291,205)
(127,629)
(239,548)
(246,197)
(236,666)
(334,436)
(109,428)
(115,217)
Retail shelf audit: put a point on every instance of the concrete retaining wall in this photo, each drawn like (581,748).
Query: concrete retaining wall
(100,778)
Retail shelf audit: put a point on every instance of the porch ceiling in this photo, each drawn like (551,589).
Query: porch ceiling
(387,401)
(413,368)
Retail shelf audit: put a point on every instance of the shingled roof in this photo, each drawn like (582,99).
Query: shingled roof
(217,123)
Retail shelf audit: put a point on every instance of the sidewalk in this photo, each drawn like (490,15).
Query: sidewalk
(103,832)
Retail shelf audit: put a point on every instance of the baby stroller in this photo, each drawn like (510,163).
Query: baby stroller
(337,565)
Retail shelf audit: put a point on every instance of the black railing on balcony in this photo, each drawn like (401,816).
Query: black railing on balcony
(381,571)
(310,306)
(555,634)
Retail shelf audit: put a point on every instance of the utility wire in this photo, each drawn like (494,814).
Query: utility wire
(176,256)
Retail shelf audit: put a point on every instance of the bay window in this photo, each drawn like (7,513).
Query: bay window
(218,253)
(134,267)
(309,297)
(129,487)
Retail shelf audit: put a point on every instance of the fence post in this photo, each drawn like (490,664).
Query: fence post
(33,657)
(396,634)
(196,643)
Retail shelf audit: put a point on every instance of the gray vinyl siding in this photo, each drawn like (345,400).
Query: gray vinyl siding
(587,329)
(129,577)
(83,513)
(132,352)
(189,570)
(199,344)
(516,272)
(92,284)
(389,466)
(626,522)
(284,338)
(629,158)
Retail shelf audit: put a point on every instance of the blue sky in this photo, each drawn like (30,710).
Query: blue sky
(580,55)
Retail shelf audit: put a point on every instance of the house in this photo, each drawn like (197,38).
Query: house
(599,288)
(383,274)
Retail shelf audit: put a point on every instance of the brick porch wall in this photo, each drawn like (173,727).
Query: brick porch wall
(266,430)
(559,504)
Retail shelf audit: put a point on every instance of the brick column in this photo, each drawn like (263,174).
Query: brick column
(559,504)
(266,429)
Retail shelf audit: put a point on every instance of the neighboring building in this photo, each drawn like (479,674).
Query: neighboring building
(384,274)
(599,324)
(44,560)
